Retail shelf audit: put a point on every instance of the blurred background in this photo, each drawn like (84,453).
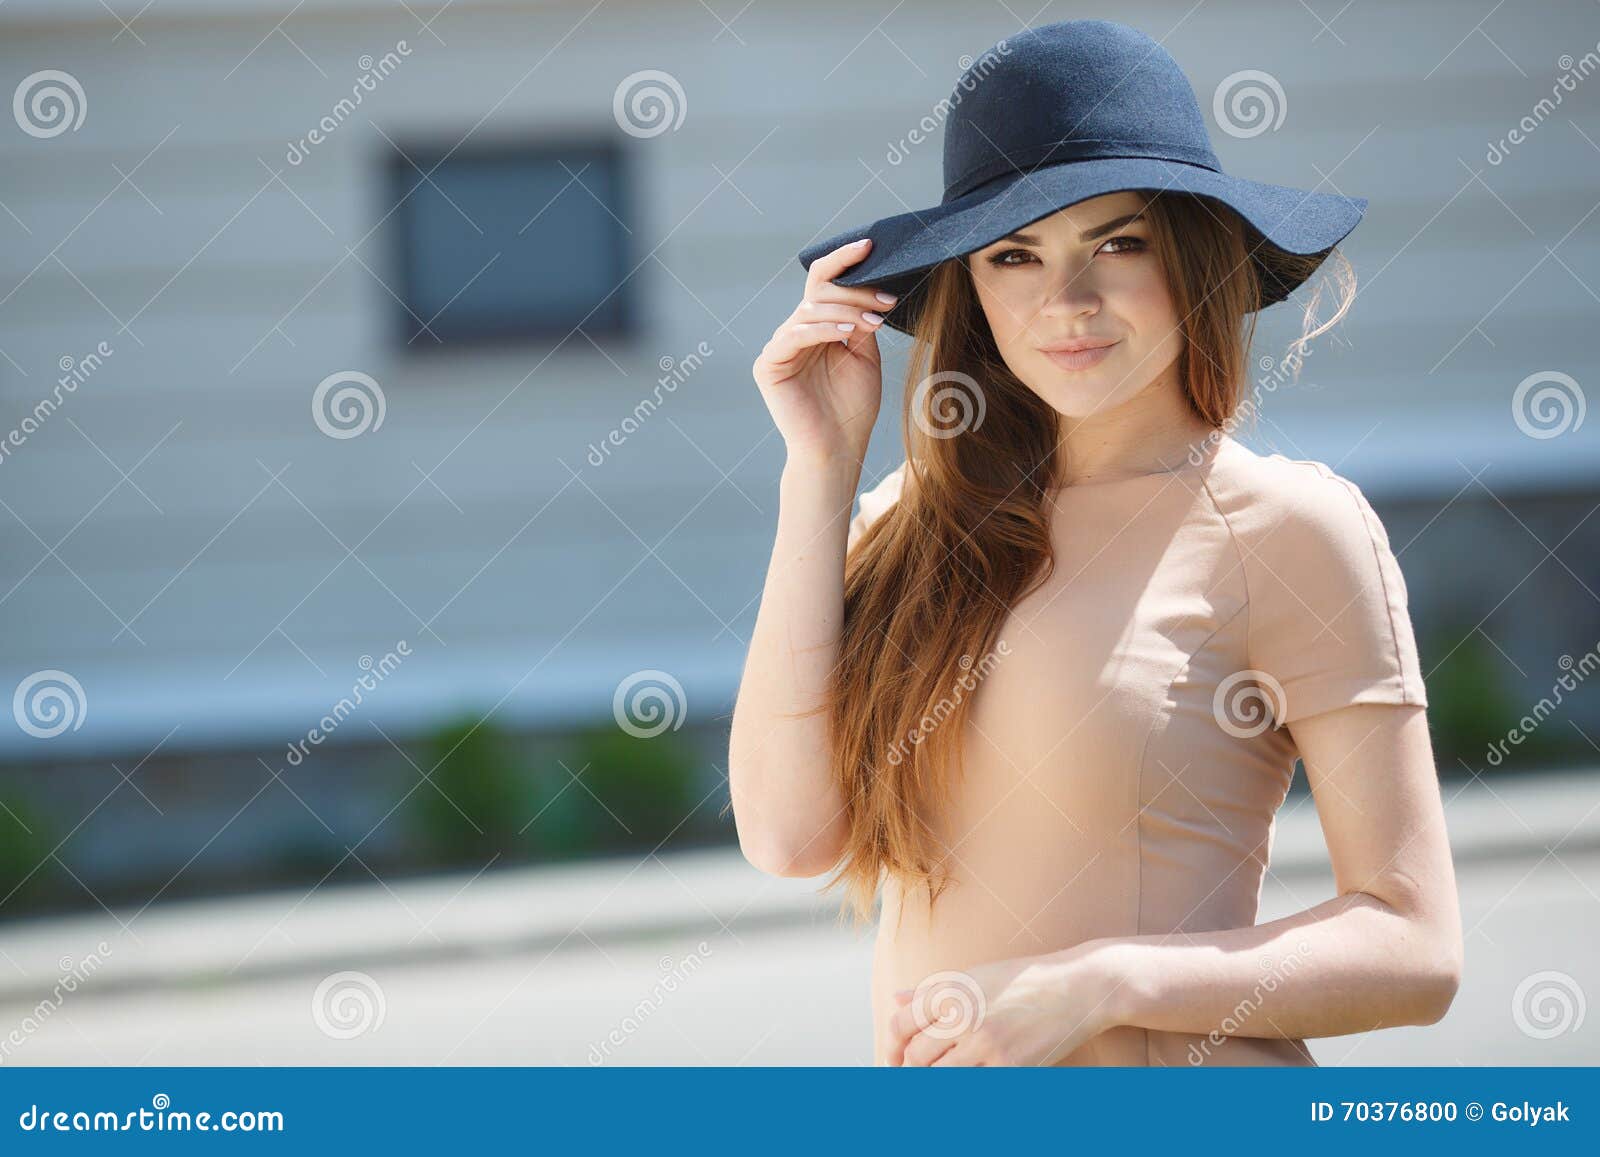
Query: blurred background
(385,499)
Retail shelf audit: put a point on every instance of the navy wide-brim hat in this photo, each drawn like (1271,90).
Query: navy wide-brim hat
(1057,115)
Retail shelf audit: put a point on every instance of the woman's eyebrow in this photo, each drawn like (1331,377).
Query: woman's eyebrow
(1087,235)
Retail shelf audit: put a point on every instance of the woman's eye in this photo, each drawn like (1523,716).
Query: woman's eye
(1137,243)
(1129,244)
(1000,258)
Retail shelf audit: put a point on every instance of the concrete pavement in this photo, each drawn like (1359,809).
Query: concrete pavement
(697,958)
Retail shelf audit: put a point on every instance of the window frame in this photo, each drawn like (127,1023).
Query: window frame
(401,171)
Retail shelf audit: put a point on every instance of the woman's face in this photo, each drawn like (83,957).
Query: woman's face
(1081,274)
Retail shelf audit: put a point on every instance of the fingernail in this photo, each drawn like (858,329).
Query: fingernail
(863,241)
(887,298)
(874,318)
(847,326)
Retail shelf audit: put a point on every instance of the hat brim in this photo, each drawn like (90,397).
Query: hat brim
(907,245)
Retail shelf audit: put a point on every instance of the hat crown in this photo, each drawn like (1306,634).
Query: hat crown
(1067,91)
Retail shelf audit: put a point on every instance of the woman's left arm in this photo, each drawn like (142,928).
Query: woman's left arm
(1386,951)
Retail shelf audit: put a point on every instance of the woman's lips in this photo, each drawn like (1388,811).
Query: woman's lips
(1079,359)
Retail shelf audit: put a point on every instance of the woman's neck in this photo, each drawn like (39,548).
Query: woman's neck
(1151,433)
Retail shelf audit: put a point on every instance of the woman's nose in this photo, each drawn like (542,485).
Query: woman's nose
(1073,294)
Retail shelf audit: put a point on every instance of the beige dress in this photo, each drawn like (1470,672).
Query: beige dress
(1121,777)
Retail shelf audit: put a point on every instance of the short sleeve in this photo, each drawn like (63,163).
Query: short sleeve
(875,502)
(1329,618)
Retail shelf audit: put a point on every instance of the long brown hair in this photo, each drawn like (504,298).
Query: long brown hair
(929,586)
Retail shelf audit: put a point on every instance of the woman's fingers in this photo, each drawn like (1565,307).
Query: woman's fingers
(820,286)
(831,265)
(790,340)
(856,296)
(812,311)
(923,1050)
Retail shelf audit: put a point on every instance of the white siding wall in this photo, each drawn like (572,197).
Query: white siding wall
(201,595)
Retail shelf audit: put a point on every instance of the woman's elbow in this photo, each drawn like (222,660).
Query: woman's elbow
(774,858)
(1443,981)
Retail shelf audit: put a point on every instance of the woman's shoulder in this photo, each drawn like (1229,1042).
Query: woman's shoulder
(1288,498)
(1301,527)
(1329,619)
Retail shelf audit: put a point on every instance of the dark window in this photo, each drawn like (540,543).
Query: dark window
(516,241)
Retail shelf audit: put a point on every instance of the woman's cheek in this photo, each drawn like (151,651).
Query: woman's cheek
(1144,295)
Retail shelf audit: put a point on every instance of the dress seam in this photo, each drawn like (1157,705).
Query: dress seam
(1244,569)
(1144,751)
(1138,827)
(1138,824)
(1383,582)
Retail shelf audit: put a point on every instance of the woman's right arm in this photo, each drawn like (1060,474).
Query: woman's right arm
(823,385)
(786,799)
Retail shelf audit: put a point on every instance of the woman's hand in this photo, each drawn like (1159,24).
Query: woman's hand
(1033,1010)
(820,375)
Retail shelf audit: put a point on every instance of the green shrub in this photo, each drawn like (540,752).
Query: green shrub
(639,790)
(26,840)
(481,795)
(1471,707)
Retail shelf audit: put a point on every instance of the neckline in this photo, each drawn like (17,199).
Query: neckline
(1188,466)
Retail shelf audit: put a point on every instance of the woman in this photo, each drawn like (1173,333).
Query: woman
(1047,688)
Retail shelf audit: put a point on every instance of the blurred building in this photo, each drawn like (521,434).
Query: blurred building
(362,329)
